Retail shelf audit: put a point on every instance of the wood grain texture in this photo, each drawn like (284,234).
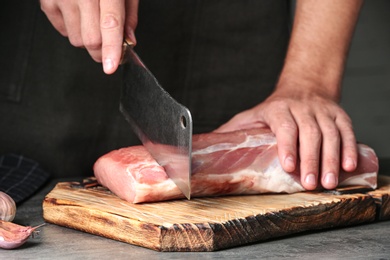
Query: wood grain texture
(382,198)
(209,224)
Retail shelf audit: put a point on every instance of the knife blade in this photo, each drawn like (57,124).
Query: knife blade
(163,125)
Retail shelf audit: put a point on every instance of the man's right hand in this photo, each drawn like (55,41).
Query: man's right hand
(97,25)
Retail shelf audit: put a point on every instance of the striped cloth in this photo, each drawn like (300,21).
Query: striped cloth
(20,177)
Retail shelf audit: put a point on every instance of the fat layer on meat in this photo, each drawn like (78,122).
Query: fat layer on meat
(240,162)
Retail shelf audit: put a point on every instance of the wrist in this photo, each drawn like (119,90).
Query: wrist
(318,47)
(313,72)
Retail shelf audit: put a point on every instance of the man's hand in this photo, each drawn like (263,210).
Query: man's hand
(309,125)
(97,25)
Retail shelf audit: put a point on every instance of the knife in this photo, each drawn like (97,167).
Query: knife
(163,125)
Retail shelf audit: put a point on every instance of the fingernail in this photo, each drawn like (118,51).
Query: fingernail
(108,65)
(311,179)
(289,163)
(330,178)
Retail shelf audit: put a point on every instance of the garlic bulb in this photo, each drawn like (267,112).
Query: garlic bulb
(7,207)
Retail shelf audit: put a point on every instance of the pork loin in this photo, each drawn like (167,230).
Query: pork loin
(241,162)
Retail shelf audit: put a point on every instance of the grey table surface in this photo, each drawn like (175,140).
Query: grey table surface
(368,241)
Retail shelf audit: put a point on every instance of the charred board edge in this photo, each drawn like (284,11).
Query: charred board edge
(101,223)
(263,227)
(216,236)
(382,201)
(382,198)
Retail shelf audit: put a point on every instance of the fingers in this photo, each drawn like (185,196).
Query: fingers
(320,138)
(319,149)
(53,13)
(330,152)
(282,123)
(131,20)
(97,25)
(117,17)
(309,151)
(314,136)
(291,126)
(112,18)
(77,20)
(90,28)
(349,154)
(326,142)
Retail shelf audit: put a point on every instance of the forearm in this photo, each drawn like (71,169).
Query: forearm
(314,134)
(319,44)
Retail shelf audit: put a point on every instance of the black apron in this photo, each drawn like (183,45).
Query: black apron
(216,57)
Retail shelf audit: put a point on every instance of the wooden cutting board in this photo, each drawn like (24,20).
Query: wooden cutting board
(209,224)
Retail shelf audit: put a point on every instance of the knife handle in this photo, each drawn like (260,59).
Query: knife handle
(126,46)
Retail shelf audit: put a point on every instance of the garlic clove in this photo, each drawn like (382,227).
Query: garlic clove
(14,235)
(7,207)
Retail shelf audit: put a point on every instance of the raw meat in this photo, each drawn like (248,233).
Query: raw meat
(241,162)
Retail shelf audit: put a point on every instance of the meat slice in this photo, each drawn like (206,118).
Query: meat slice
(241,162)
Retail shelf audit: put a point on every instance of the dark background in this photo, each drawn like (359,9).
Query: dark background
(33,82)
(366,88)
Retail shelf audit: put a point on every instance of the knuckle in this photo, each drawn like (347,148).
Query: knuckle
(311,164)
(350,150)
(332,162)
(109,21)
(313,131)
(279,104)
(62,30)
(348,121)
(331,131)
(107,47)
(311,161)
(288,148)
(350,146)
(97,57)
(348,129)
(76,41)
(349,135)
(93,43)
(47,6)
(344,119)
(290,126)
